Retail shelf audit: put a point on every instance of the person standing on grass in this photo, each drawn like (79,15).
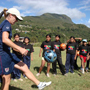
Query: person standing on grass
(83,49)
(9,61)
(56,48)
(78,41)
(16,72)
(71,49)
(29,57)
(87,66)
(46,45)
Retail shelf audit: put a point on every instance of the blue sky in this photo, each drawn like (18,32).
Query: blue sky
(77,10)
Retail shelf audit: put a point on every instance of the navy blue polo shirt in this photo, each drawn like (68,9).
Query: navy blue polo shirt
(5,26)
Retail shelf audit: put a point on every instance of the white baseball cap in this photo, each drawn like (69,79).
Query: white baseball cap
(84,40)
(15,12)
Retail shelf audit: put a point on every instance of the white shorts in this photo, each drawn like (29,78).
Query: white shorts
(43,58)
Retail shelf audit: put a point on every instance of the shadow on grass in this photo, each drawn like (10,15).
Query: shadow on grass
(34,86)
(14,88)
(44,69)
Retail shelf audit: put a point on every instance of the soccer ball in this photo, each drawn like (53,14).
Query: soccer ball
(63,46)
(78,53)
(50,56)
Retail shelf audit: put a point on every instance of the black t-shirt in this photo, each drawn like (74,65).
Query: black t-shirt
(56,46)
(78,42)
(83,50)
(19,44)
(30,49)
(46,46)
(88,48)
(17,53)
(71,47)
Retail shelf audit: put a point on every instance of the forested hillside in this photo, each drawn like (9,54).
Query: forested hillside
(36,27)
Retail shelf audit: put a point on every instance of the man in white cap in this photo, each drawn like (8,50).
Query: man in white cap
(8,61)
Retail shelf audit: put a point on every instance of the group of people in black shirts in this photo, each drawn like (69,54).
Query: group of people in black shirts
(73,46)
(26,59)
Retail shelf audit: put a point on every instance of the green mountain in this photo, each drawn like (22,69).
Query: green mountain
(36,27)
(48,20)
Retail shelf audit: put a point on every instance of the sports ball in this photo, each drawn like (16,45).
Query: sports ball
(77,53)
(63,46)
(50,56)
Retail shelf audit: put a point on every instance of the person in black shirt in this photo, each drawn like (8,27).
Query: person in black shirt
(87,66)
(16,72)
(83,54)
(56,48)
(70,55)
(29,57)
(78,41)
(46,45)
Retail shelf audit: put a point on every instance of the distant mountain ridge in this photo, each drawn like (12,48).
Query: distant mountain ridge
(49,23)
(52,20)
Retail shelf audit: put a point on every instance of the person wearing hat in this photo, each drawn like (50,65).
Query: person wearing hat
(83,49)
(8,61)
(29,57)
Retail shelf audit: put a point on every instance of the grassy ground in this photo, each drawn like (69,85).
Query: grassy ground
(75,81)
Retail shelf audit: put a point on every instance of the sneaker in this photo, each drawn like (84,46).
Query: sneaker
(47,75)
(26,78)
(20,79)
(66,74)
(54,74)
(15,80)
(73,73)
(37,74)
(82,70)
(86,70)
(43,85)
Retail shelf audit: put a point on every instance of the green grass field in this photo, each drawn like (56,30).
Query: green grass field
(75,81)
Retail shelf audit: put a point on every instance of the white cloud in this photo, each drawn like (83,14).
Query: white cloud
(39,7)
(88,23)
(85,4)
(1,8)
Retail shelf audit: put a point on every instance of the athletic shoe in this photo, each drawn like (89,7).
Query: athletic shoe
(66,74)
(47,75)
(54,74)
(15,80)
(82,70)
(20,79)
(26,78)
(37,74)
(42,85)
(73,73)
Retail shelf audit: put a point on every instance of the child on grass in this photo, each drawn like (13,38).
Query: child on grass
(70,55)
(46,45)
(56,48)
(29,57)
(16,72)
(87,66)
(83,54)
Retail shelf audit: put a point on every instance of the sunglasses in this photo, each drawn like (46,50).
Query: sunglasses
(15,17)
